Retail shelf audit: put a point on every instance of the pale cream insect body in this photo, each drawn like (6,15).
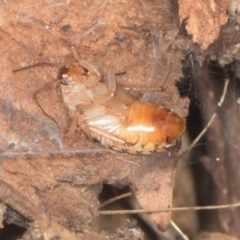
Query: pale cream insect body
(108,114)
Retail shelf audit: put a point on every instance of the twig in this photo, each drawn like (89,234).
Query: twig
(211,119)
(169,209)
(114,199)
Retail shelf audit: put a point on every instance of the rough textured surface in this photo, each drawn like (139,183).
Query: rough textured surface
(222,151)
(226,48)
(204,19)
(64,178)
(214,236)
(145,43)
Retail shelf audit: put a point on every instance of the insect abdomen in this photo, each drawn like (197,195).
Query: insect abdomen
(151,127)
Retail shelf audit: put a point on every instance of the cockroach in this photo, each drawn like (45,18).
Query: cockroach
(107,113)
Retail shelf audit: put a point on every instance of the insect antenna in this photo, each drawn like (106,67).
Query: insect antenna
(72,50)
(167,76)
(34,65)
(39,105)
(41,89)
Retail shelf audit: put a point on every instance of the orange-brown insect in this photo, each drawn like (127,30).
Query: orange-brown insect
(108,114)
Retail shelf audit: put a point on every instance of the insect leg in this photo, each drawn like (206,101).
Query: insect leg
(73,126)
(90,67)
(84,113)
(111,82)
(39,105)
(94,75)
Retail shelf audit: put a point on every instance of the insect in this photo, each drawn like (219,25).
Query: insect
(106,112)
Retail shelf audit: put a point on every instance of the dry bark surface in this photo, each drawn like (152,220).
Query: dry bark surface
(64,178)
(204,19)
(51,184)
(222,151)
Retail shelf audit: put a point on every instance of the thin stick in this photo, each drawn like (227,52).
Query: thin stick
(169,209)
(114,199)
(211,119)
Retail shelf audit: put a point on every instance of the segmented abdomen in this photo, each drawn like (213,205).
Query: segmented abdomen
(151,127)
(143,128)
